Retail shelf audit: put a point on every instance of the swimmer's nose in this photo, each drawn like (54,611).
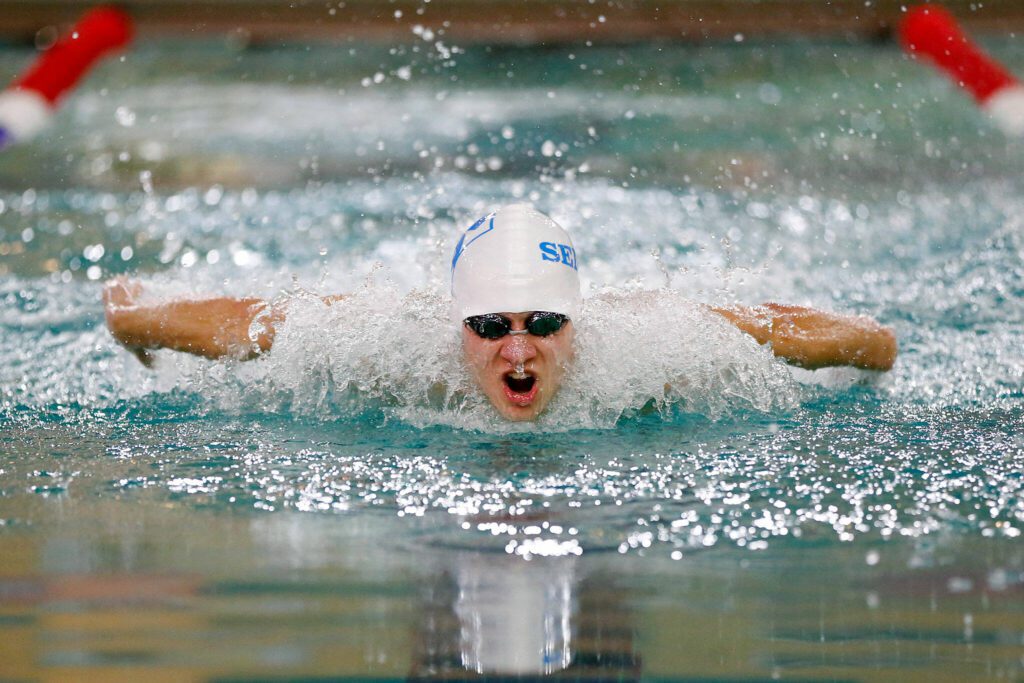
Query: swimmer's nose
(518,350)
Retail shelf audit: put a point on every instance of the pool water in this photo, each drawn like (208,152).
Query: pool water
(271,521)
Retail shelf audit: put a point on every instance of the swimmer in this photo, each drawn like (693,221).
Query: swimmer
(515,295)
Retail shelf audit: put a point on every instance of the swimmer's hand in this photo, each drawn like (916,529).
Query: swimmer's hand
(213,328)
(119,296)
(816,339)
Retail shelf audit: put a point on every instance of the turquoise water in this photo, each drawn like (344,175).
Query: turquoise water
(266,521)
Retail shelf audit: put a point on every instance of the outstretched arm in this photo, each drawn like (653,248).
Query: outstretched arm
(214,328)
(814,339)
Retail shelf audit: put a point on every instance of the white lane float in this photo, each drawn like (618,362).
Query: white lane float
(28,104)
(933,32)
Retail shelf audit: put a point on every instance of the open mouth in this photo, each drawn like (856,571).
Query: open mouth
(520,387)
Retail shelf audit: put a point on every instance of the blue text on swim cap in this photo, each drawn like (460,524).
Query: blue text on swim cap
(559,253)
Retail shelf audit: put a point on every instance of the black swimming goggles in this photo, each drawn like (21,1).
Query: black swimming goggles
(494,326)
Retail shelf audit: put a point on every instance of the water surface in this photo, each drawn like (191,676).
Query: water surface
(200,522)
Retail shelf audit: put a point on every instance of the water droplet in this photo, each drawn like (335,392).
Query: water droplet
(125,116)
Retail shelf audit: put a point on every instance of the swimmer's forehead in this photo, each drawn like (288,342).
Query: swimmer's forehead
(515,260)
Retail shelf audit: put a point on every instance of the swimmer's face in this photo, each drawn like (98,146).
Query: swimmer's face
(493,363)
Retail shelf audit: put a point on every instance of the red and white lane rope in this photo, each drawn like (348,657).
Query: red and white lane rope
(932,32)
(27,105)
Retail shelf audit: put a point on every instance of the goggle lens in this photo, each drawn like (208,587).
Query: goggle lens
(542,324)
(490,326)
(494,326)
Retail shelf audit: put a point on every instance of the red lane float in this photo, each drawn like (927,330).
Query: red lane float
(29,102)
(931,31)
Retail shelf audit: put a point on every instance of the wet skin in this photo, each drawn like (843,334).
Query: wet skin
(493,363)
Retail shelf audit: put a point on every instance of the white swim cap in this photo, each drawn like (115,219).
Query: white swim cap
(515,260)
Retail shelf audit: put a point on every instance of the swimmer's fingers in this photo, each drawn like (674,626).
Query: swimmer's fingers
(145,357)
(141,353)
(119,298)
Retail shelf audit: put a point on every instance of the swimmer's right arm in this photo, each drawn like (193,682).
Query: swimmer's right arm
(213,328)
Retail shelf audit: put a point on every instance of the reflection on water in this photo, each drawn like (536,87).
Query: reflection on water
(514,617)
(498,616)
(271,597)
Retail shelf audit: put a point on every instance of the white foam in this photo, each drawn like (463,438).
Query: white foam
(655,349)
(381,350)
(375,349)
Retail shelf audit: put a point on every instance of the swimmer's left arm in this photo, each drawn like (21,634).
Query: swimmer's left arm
(816,339)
